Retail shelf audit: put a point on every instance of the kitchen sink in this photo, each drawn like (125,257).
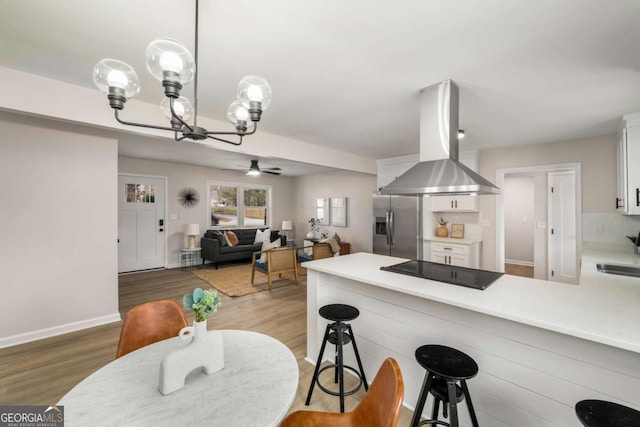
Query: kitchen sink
(624,270)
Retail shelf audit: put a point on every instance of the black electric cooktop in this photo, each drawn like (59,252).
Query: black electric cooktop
(461,276)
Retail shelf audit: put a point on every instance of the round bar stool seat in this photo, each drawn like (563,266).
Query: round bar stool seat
(339,334)
(339,312)
(445,367)
(600,413)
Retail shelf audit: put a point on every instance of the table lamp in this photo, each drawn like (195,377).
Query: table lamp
(286,227)
(192,230)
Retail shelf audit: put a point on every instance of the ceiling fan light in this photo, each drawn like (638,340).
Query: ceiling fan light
(460,133)
(181,106)
(253,172)
(254,88)
(167,56)
(111,73)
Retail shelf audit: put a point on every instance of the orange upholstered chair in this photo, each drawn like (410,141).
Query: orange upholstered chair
(379,408)
(148,323)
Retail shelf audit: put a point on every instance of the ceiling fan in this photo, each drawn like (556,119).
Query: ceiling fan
(255,170)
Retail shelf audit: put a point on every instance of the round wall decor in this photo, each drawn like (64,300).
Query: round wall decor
(188,197)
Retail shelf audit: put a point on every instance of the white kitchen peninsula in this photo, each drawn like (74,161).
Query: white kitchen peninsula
(541,346)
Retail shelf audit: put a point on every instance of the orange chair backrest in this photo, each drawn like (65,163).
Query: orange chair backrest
(380,406)
(148,323)
(382,403)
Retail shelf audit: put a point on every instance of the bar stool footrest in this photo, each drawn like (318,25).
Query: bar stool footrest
(432,422)
(337,393)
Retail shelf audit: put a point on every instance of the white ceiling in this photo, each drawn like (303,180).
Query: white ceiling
(347,74)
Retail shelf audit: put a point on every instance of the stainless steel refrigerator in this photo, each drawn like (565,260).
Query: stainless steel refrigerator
(396,226)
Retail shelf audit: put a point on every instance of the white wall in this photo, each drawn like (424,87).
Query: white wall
(181,175)
(598,159)
(58,222)
(40,96)
(519,219)
(357,188)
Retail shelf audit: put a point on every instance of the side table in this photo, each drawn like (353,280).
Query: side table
(189,258)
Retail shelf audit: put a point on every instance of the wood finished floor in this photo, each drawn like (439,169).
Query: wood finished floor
(518,270)
(41,372)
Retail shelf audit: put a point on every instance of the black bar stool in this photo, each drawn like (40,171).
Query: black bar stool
(445,367)
(600,413)
(339,334)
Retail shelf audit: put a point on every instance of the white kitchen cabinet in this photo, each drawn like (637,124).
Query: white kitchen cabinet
(391,168)
(454,203)
(459,254)
(628,197)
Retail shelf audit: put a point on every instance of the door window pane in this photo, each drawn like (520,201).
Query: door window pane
(255,207)
(224,206)
(139,193)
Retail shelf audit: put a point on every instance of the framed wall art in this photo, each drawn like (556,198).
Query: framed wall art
(457,231)
(323,211)
(339,211)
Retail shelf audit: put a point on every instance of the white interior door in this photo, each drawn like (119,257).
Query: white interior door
(563,256)
(141,223)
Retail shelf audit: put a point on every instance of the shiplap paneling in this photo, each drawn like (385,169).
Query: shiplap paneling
(528,376)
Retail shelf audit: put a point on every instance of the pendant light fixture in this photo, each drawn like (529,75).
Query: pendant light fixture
(172,64)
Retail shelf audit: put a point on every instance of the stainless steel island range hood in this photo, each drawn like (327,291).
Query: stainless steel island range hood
(439,171)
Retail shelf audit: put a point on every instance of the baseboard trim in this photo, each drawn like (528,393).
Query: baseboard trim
(58,330)
(518,262)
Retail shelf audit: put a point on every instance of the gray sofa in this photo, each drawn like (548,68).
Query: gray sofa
(215,249)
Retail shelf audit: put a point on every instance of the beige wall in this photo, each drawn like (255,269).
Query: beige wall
(596,155)
(181,175)
(58,222)
(357,188)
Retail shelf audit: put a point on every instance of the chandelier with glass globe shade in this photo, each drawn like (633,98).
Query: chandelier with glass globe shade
(171,63)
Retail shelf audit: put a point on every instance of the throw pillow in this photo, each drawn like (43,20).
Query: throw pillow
(219,235)
(231,238)
(335,246)
(266,245)
(261,236)
(335,236)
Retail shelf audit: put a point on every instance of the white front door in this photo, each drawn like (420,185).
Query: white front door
(563,257)
(141,223)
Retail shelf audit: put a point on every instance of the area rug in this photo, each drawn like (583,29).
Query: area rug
(235,280)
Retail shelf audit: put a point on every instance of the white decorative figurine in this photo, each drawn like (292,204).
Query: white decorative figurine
(205,349)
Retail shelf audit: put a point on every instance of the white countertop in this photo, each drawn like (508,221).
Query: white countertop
(465,241)
(604,308)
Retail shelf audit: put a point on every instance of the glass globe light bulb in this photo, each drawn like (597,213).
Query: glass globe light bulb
(237,112)
(182,107)
(170,55)
(254,93)
(171,62)
(254,88)
(110,73)
(117,78)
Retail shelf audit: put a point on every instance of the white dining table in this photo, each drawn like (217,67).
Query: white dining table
(256,388)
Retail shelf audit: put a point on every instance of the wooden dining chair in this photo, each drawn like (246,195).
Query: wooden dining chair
(379,408)
(148,323)
(321,250)
(317,251)
(278,261)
